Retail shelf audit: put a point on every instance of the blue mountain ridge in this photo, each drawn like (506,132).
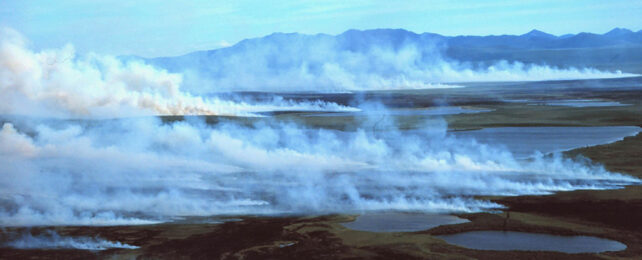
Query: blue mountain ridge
(565,50)
(354,39)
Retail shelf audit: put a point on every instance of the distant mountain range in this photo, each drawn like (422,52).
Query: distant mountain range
(532,40)
(540,40)
(618,49)
(535,39)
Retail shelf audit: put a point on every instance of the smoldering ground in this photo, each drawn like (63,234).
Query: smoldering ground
(49,239)
(143,171)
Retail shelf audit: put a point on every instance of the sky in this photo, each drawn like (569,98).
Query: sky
(152,28)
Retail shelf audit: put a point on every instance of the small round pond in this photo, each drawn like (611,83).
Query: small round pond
(509,240)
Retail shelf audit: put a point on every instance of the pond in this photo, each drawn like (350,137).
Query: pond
(579,103)
(401,222)
(524,141)
(505,241)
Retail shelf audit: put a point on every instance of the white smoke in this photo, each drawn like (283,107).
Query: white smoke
(517,71)
(52,240)
(140,171)
(326,64)
(57,83)
(143,171)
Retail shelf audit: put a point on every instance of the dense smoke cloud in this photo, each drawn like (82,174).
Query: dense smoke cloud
(142,171)
(57,83)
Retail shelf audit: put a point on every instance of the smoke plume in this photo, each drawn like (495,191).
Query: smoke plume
(52,240)
(144,171)
(323,63)
(57,83)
